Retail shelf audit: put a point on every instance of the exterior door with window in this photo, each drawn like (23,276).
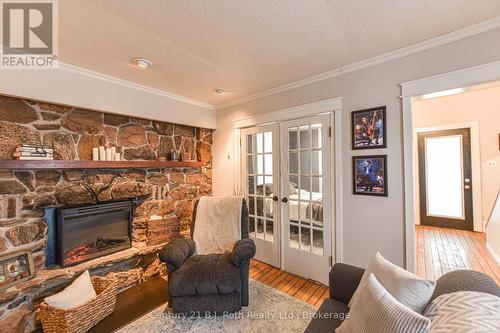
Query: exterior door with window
(261,189)
(305,196)
(445,178)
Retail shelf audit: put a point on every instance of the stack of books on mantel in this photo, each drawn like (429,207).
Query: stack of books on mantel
(33,152)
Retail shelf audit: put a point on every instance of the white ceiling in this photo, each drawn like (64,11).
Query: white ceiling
(247,46)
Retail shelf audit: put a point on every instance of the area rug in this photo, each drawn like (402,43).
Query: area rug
(269,311)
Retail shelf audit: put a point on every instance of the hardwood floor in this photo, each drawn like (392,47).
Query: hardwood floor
(306,290)
(440,250)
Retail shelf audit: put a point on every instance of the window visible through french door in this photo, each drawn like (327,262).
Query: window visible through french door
(286,177)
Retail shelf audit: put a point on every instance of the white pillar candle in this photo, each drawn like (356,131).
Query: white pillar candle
(113,153)
(102,153)
(95,154)
(117,156)
(108,154)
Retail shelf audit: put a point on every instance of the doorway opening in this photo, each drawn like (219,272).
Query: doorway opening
(443,196)
(456,179)
(286,178)
(287,170)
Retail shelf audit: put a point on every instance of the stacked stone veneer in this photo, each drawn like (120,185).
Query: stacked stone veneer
(73,132)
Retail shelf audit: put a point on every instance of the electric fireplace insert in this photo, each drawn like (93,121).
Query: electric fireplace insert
(88,232)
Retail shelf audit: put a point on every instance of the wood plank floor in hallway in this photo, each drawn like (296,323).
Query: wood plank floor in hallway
(440,250)
(306,290)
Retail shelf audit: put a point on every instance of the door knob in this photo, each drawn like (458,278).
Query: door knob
(467,180)
(467,187)
(275,198)
(285,200)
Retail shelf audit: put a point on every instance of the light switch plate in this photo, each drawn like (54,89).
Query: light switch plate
(491,164)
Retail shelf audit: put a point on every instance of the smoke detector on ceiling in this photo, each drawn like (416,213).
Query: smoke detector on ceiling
(220,91)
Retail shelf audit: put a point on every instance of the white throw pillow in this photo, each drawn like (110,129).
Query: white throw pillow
(78,293)
(464,312)
(375,310)
(406,287)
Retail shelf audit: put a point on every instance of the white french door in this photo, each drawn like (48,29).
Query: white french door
(260,170)
(286,177)
(306,196)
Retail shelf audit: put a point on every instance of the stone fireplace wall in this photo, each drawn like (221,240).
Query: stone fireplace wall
(72,132)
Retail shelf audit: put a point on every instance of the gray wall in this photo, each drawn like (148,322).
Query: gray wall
(370,224)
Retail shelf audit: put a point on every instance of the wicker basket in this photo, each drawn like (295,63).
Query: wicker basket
(84,317)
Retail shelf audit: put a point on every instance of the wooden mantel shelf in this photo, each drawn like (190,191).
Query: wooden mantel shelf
(66,164)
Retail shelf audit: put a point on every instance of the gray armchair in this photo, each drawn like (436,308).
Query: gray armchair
(213,283)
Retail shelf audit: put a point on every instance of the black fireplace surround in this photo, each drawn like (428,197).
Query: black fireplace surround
(87,232)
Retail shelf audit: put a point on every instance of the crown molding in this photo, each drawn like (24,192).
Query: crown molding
(129,84)
(453,36)
(294,112)
(285,87)
(485,75)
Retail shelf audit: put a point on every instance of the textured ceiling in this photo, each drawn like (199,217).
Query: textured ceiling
(247,46)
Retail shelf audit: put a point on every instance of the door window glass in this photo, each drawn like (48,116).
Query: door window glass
(443,159)
(260,185)
(305,205)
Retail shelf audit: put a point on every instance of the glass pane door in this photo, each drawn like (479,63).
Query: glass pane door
(261,191)
(306,208)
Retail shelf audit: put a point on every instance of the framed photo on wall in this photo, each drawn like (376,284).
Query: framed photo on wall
(15,268)
(368,128)
(369,175)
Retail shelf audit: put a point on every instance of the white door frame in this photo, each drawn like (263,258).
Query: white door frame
(452,80)
(476,169)
(332,105)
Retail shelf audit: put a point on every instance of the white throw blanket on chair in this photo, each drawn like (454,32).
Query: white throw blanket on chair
(218,224)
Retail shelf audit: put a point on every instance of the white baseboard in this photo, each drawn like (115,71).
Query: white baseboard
(493,254)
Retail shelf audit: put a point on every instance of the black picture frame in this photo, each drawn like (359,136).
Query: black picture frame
(15,268)
(363,182)
(360,139)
